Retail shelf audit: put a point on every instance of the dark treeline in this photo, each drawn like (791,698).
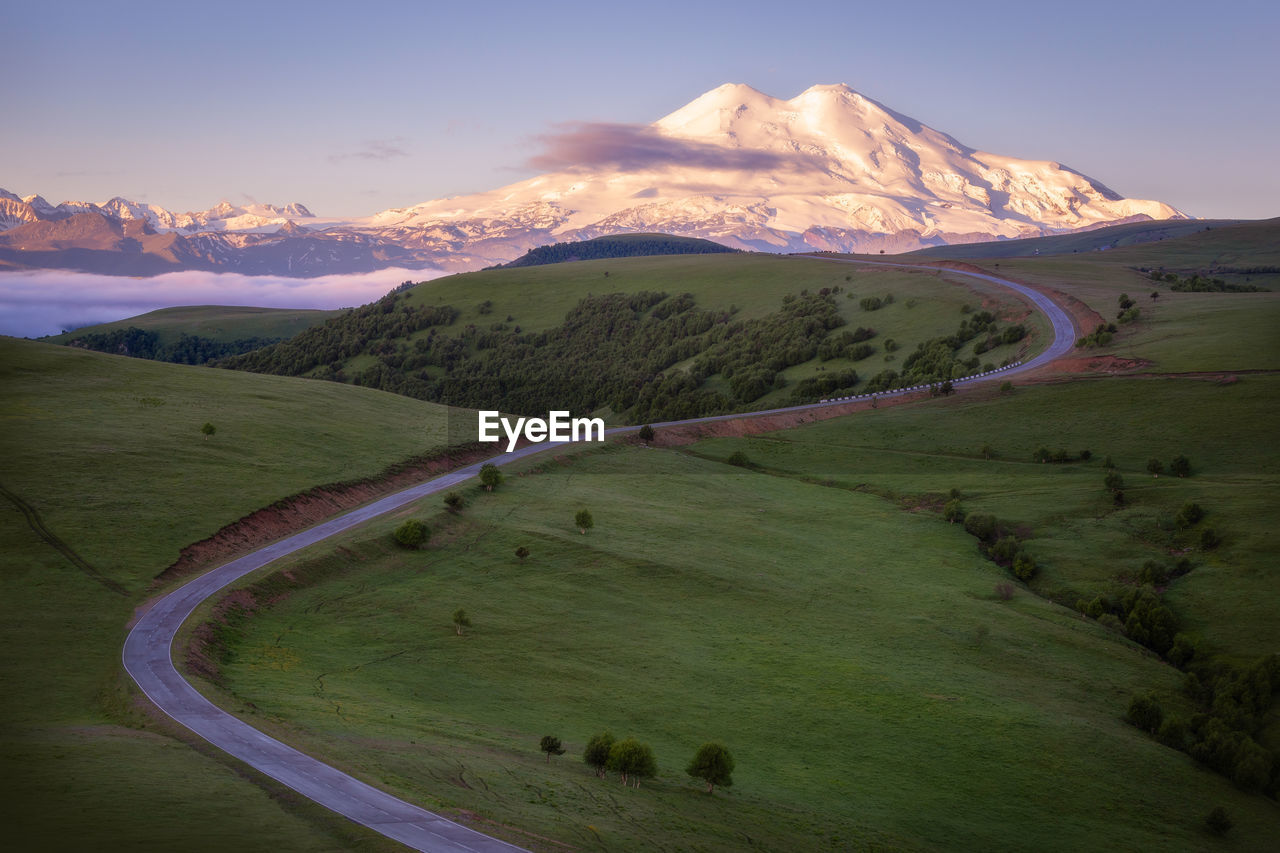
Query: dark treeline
(188,349)
(617,247)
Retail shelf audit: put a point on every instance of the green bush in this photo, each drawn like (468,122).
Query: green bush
(981,525)
(1005,549)
(632,761)
(1189,515)
(1183,650)
(1173,733)
(1024,566)
(953,511)
(411,534)
(713,764)
(1145,712)
(1111,622)
(739,458)
(1218,821)
(596,754)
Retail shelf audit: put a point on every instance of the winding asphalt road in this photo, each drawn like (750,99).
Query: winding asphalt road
(148,649)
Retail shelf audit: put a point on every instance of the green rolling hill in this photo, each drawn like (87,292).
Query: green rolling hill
(882,682)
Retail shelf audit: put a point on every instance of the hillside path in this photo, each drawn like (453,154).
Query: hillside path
(148,650)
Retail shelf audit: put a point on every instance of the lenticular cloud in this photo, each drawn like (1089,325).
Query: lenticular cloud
(46,302)
(579,146)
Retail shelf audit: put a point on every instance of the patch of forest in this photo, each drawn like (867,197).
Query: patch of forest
(647,356)
(188,349)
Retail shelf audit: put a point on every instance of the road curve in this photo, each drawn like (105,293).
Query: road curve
(148,649)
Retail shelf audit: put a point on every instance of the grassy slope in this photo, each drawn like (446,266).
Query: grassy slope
(108,451)
(79,746)
(219,322)
(1081,539)
(816,612)
(874,690)
(1177,332)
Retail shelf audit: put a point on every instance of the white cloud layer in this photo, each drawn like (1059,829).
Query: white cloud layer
(46,302)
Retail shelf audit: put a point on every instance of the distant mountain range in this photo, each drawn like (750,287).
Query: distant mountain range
(827,170)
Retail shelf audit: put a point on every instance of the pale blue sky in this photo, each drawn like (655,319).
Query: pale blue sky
(354,107)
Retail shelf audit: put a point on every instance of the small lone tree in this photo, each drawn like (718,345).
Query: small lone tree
(1180,466)
(461,620)
(645,434)
(1155,467)
(550,744)
(713,764)
(584,521)
(454,502)
(521,553)
(208,429)
(490,476)
(411,534)
(596,755)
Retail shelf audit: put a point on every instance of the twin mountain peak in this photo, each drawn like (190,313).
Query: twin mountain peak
(829,169)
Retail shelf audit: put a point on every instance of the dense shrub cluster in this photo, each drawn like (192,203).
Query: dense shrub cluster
(1233,703)
(1197,283)
(998,542)
(834,384)
(1099,337)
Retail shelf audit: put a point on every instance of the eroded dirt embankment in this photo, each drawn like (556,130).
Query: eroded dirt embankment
(304,509)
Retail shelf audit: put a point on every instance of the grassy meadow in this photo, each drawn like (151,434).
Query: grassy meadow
(852,652)
(107,452)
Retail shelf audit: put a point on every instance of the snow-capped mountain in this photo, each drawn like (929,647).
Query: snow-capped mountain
(225,216)
(828,170)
